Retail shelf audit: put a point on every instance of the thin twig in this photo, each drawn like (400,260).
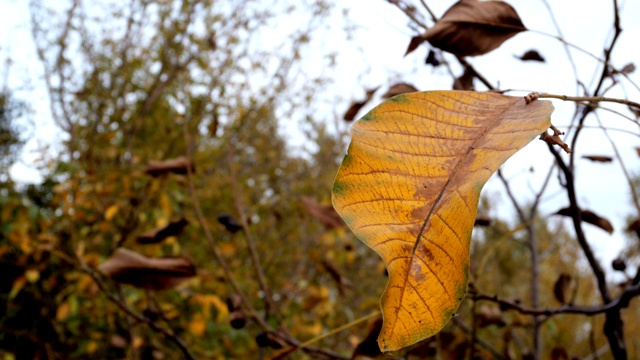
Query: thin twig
(251,244)
(496,354)
(590,98)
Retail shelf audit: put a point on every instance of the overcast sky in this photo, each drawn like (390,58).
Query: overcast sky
(374,57)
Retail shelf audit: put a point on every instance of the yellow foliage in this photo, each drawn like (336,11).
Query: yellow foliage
(409,188)
(111,212)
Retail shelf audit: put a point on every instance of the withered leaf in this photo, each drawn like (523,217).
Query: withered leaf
(368,347)
(355,107)
(238,319)
(156,235)
(619,264)
(635,226)
(432,59)
(559,353)
(590,217)
(129,267)
(326,214)
(482,221)
(179,165)
(598,158)
(229,223)
(465,81)
(561,288)
(555,139)
(531,55)
(472,27)
(414,43)
(399,88)
(628,69)
(636,112)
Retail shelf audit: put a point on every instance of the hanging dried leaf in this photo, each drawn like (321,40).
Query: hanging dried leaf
(555,139)
(627,69)
(368,347)
(324,213)
(351,113)
(414,43)
(619,264)
(590,217)
(482,221)
(464,82)
(598,158)
(635,112)
(399,88)
(558,353)
(129,267)
(472,27)
(179,165)
(432,59)
(238,319)
(156,235)
(229,223)
(531,55)
(562,287)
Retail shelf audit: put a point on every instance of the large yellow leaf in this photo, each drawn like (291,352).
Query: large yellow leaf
(409,187)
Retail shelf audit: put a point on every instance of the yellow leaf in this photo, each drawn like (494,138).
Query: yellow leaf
(18,284)
(32,275)
(111,212)
(409,187)
(198,325)
(63,311)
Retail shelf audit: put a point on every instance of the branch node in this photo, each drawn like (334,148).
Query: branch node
(531,97)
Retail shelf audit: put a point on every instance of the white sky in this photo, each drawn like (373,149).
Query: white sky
(374,58)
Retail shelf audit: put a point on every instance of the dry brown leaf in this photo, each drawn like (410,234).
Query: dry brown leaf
(598,158)
(179,165)
(472,27)
(531,55)
(636,113)
(555,139)
(619,264)
(590,217)
(355,107)
(129,267)
(562,287)
(399,88)
(156,235)
(482,221)
(324,213)
(414,43)
(559,353)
